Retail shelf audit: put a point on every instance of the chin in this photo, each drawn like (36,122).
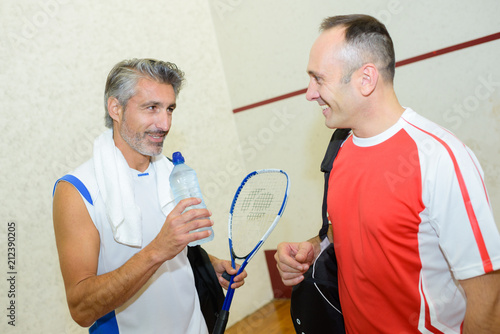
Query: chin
(331,124)
(150,152)
(336,123)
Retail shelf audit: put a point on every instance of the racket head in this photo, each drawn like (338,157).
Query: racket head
(255,210)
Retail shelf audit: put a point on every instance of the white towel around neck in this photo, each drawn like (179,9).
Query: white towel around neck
(116,187)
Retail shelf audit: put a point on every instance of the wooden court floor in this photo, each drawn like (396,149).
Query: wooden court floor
(272,318)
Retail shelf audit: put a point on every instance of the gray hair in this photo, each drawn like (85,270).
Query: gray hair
(124,76)
(366,41)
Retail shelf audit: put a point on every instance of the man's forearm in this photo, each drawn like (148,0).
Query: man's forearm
(486,322)
(96,296)
(483,304)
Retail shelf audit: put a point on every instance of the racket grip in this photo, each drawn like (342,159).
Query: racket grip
(220,324)
(226,276)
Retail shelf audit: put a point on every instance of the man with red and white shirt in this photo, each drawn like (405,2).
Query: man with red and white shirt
(417,247)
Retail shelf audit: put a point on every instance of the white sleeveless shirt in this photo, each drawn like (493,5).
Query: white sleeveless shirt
(168,302)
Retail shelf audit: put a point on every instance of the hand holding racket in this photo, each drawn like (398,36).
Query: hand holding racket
(257,207)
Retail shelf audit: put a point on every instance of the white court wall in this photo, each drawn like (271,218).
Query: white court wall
(55,55)
(265,47)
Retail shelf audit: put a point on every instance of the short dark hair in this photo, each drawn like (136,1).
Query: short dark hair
(123,78)
(366,40)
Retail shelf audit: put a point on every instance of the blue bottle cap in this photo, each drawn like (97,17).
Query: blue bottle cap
(177,158)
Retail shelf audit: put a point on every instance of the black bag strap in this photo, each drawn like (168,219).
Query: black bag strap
(338,137)
(207,285)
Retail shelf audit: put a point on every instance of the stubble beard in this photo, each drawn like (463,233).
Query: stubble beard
(139,142)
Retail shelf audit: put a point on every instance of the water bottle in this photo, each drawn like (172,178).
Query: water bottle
(184,184)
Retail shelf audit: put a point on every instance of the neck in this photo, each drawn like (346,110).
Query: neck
(381,111)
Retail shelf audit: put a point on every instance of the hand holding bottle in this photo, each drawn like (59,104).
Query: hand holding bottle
(184,184)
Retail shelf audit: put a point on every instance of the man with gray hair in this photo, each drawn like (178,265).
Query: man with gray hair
(120,237)
(417,246)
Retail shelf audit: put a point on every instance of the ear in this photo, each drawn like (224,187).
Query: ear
(115,109)
(369,79)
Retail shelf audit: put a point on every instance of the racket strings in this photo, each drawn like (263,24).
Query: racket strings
(255,209)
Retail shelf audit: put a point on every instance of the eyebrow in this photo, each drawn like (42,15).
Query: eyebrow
(157,103)
(314,74)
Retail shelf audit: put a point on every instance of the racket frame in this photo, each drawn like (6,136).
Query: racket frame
(248,257)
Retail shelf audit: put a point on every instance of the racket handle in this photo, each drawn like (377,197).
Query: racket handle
(226,276)
(220,324)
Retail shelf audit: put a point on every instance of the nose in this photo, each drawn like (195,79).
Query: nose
(312,93)
(164,120)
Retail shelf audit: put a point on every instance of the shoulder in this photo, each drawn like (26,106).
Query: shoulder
(84,180)
(433,139)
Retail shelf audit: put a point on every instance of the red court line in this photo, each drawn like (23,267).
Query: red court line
(449,49)
(274,99)
(439,52)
